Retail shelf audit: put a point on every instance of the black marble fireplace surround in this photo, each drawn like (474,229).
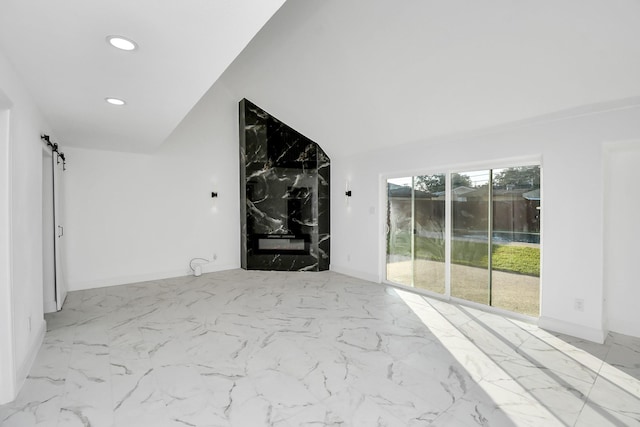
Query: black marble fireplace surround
(284,196)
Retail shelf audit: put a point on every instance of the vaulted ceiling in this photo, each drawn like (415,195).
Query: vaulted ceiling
(361,75)
(60,51)
(353,75)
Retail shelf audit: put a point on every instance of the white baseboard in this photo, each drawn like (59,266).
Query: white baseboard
(355,273)
(25,367)
(624,328)
(212,268)
(124,280)
(575,330)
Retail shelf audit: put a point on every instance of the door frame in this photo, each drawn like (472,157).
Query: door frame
(58,218)
(7,345)
(48,232)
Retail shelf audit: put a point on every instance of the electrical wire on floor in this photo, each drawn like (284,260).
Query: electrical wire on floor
(197,269)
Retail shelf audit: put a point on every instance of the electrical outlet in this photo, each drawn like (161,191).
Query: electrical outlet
(578,304)
(214,257)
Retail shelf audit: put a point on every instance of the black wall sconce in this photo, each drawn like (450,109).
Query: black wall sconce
(214,194)
(347,193)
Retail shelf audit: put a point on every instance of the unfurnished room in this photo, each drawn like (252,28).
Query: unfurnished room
(319,213)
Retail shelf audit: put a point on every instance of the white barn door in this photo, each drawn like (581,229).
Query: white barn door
(58,217)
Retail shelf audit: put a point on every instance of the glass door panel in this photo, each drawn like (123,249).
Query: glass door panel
(494,241)
(515,258)
(429,237)
(399,230)
(470,236)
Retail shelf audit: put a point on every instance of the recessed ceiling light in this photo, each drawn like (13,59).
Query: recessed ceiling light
(122,43)
(115,101)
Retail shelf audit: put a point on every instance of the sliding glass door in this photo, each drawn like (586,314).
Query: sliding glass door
(470,236)
(429,233)
(416,231)
(400,245)
(515,254)
(493,238)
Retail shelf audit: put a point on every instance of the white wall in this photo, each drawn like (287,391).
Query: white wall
(572,207)
(135,217)
(21,336)
(622,235)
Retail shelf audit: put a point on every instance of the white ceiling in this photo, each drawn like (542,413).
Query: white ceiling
(362,75)
(354,75)
(59,50)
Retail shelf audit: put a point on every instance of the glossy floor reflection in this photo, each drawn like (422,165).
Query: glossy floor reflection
(240,348)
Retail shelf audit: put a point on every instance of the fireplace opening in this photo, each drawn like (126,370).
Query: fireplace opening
(282,244)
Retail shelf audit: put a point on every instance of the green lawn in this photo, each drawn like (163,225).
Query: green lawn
(517,259)
(508,258)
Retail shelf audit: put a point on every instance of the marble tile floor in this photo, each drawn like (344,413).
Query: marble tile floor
(251,349)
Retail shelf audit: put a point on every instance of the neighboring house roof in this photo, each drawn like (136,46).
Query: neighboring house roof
(404,191)
(458,191)
(532,195)
(462,190)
